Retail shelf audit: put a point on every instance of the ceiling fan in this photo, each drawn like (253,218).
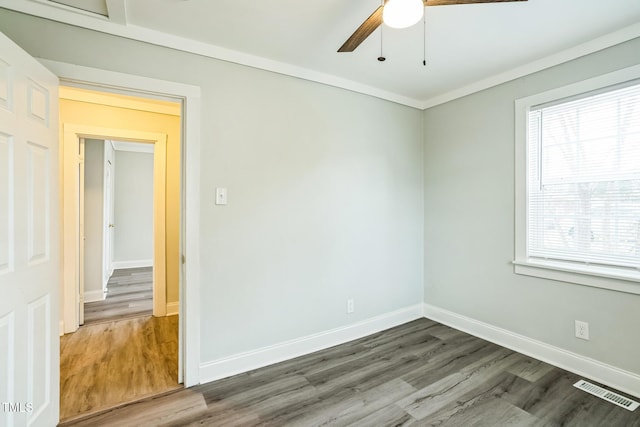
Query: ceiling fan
(399,14)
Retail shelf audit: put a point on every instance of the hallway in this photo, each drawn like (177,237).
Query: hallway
(129,294)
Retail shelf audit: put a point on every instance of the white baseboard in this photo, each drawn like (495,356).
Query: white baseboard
(173,308)
(93,296)
(611,376)
(105,282)
(133,264)
(247,361)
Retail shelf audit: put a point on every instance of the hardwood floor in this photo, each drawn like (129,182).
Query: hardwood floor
(130,294)
(111,363)
(421,373)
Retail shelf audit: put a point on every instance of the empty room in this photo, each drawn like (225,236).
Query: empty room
(380,213)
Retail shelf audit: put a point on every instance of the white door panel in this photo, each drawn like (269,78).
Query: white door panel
(108,216)
(29,245)
(6,202)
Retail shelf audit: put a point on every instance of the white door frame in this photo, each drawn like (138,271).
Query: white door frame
(73,219)
(189,334)
(81,236)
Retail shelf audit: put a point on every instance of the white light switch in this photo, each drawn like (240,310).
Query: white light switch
(221,196)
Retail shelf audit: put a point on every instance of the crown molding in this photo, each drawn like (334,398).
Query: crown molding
(79,18)
(625,34)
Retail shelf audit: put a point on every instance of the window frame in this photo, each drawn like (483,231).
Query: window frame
(618,279)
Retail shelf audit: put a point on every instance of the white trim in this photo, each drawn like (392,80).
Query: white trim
(598,277)
(622,280)
(161,106)
(617,37)
(173,308)
(617,378)
(159,225)
(247,361)
(72,135)
(93,296)
(137,263)
(134,147)
(61,327)
(190,286)
(583,86)
(51,11)
(190,289)
(88,76)
(54,12)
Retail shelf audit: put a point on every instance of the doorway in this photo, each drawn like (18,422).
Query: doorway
(123,119)
(189,358)
(117,245)
(38,301)
(116,368)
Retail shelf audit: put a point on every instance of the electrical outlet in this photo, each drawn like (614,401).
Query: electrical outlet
(350,306)
(582,330)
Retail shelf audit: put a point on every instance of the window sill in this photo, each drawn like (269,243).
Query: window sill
(600,277)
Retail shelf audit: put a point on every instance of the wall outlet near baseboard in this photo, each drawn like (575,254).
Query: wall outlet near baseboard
(582,330)
(351,307)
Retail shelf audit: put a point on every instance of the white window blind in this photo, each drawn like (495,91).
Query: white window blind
(583,178)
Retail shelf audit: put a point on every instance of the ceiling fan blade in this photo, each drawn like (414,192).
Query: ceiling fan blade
(363,31)
(451,2)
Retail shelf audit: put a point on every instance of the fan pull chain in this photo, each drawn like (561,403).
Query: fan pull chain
(381,58)
(424,40)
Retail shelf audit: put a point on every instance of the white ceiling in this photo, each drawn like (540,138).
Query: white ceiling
(466,44)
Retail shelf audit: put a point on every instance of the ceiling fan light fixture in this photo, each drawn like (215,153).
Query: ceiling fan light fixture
(402,13)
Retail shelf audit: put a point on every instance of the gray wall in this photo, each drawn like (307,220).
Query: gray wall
(133,203)
(325,191)
(93,217)
(469,224)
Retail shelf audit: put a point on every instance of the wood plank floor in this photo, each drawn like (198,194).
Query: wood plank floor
(129,294)
(421,373)
(111,363)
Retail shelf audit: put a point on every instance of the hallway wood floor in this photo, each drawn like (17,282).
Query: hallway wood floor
(421,373)
(110,363)
(129,294)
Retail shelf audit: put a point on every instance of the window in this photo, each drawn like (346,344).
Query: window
(580,219)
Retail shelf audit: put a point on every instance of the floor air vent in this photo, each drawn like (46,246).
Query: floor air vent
(607,395)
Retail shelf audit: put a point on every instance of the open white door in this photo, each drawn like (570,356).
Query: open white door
(29,240)
(108,217)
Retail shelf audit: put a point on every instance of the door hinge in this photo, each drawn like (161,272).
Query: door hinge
(184,259)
